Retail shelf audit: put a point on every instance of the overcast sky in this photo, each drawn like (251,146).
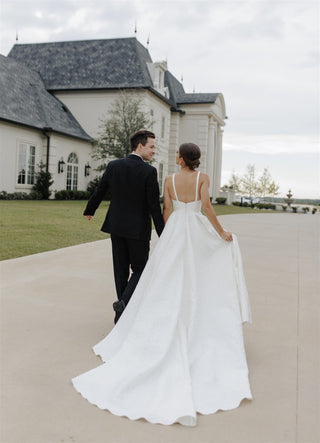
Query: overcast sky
(263,55)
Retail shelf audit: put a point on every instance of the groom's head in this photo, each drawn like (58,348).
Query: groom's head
(142,143)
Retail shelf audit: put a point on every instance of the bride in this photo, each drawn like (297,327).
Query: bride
(178,347)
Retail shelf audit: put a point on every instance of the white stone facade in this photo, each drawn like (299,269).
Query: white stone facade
(32,116)
(198,123)
(14,137)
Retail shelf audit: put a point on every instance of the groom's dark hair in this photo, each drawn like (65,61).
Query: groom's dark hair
(140,136)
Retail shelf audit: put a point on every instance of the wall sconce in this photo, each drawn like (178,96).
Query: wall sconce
(87,170)
(60,165)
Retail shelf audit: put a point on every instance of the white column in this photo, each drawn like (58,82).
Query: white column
(211,153)
(173,141)
(218,162)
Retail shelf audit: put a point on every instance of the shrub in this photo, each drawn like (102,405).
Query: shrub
(284,207)
(294,208)
(33,195)
(71,195)
(221,200)
(43,182)
(265,206)
(236,203)
(306,209)
(92,186)
(314,210)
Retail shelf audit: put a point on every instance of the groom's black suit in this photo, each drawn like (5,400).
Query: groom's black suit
(134,200)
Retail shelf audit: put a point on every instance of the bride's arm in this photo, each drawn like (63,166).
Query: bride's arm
(209,211)
(167,203)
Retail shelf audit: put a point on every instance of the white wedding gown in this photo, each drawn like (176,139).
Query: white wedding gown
(178,347)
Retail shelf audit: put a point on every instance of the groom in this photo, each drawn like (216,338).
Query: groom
(134,198)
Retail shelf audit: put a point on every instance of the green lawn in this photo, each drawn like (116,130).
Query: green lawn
(29,227)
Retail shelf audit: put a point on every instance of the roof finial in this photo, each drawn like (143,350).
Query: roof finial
(135,28)
(194,89)
(148,41)
(181,78)
(17,37)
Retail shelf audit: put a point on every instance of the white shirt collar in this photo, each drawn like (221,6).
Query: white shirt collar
(133,153)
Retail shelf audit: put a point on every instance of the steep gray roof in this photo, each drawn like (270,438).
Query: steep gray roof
(91,64)
(178,95)
(25,100)
(176,89)
(100,64)
(197,98)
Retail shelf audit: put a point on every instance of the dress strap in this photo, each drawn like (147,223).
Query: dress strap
(174,188)
(197,185)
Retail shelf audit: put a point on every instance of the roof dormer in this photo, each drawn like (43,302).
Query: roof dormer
(157,71)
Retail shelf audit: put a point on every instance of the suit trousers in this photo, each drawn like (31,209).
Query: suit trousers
(128,253)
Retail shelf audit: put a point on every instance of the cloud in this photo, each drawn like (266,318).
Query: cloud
(261,55)
(271,144)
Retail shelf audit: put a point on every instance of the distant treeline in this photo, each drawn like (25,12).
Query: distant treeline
(302,201)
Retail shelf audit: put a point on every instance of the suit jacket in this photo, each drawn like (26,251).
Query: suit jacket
(134,192)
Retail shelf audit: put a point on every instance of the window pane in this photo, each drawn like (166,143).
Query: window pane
(22,164)
(69,176)
(162,127)
(73,158)
(75,178)
(31,165)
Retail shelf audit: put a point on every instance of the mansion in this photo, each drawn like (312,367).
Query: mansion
(55,95)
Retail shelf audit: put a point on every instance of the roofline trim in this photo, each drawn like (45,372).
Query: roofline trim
(195,102)
(76,41)
(89,140)
(148,88)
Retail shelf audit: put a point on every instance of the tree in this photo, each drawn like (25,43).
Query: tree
(263,183)
(43,182)
(248,184)
(126,117)
(235,182)
(273,189)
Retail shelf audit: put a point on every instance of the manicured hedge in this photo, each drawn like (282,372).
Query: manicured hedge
(72,195)
(33,195)
(256,205)
(221,200)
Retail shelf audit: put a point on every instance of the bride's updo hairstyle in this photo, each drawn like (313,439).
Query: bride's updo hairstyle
(190,154)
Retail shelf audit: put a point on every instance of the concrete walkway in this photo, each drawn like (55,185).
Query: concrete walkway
(57,305)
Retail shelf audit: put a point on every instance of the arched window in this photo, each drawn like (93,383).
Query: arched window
(72,172)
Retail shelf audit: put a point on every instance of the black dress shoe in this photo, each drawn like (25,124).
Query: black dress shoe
(116,317)
(118,306)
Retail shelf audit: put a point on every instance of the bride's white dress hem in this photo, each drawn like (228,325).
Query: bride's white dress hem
(178,347)
(186,420)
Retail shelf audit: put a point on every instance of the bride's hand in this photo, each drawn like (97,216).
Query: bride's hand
(227,236)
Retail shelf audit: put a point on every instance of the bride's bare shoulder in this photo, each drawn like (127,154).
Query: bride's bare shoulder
(204,176)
